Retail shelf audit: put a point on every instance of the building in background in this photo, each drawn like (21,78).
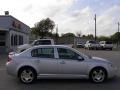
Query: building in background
(12,33)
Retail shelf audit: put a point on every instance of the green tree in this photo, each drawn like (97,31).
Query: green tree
(89,36)
(116,37)
(104,38)
(43,28)
(68,35)
(54,35)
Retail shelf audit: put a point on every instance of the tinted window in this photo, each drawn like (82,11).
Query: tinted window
(46,42)
(108,42)
(43,53)
(12,40)
(2,43)
(92,42)
(43,42)
(67,54)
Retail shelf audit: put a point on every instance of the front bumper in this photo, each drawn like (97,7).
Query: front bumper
(112,72)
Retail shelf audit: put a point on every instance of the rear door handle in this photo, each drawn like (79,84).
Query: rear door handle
(62,62)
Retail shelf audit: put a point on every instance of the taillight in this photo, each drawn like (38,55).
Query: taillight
(9,59)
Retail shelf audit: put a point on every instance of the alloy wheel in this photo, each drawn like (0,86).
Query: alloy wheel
(27,76)
(98,75)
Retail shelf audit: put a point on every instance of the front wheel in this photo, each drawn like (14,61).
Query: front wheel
(98,75)
(27,75)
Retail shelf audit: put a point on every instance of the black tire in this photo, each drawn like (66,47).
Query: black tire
(103,48)
(27,73)
(101,77)
(111,49)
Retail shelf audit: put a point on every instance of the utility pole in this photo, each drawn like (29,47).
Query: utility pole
(118,26)
(118,35)
(95,26)
(57,34)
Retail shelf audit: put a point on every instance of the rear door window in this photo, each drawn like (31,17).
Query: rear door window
(43,53)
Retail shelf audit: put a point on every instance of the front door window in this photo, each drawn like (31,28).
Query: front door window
(67,54)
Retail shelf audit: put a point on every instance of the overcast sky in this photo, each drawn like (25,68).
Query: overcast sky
(70,15)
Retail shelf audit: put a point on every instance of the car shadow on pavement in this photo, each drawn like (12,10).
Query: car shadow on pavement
(70,81)
(65,84)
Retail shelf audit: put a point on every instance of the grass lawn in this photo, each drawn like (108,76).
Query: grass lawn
(116,49)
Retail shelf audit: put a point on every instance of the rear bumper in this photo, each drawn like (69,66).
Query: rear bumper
(11,70)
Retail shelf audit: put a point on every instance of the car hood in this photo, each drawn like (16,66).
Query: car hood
(24,46)
(98,59)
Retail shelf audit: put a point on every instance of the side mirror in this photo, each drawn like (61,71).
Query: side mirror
(80,58)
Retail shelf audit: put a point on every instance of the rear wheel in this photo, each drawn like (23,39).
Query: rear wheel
(27,75)
(98,75)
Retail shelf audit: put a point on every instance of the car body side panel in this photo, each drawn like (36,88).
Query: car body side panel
(72,67)
(48,66)
(31,62)
(55,66)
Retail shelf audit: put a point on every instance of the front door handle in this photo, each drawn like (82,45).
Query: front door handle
(62,62)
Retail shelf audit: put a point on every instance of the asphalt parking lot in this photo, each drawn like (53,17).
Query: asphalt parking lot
(10,83)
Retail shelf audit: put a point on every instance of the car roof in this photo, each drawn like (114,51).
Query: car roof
(38,46)
(43,39)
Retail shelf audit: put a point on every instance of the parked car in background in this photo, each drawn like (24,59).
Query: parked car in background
(92,45)
(35,43)
(80,45)
(58,61)
(106,45)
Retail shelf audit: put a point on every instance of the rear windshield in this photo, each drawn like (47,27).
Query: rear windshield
(43,42)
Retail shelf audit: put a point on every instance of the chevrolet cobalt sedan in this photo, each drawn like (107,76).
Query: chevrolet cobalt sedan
(58,61)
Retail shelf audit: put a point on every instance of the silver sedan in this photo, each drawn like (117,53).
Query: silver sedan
(58,61)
